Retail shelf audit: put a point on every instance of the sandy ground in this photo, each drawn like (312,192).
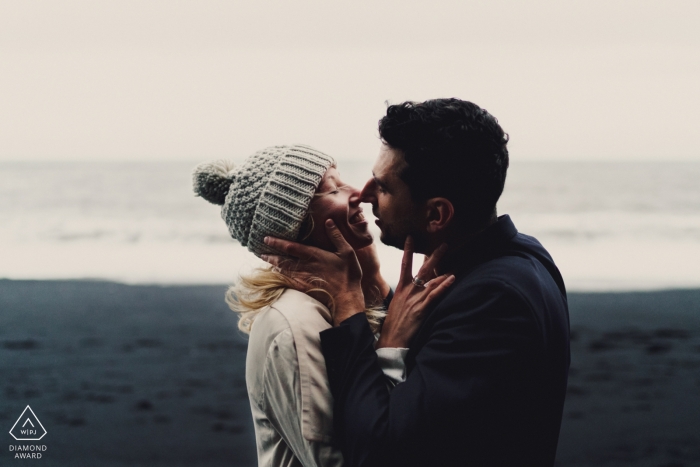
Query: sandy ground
(634,384)
(144,375)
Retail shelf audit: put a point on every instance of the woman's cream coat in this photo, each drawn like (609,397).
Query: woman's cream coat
(287,384)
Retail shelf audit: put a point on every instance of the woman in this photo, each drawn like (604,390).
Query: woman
(288,192)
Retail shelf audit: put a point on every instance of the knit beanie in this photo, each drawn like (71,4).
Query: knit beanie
(268,195)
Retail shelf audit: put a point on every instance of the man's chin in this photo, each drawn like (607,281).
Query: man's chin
(420,242)
(391,240)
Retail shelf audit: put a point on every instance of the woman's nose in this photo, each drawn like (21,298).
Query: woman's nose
(354,196)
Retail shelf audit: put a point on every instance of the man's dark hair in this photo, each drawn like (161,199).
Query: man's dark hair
(453,149)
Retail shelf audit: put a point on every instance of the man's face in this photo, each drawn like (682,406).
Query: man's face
(397,214)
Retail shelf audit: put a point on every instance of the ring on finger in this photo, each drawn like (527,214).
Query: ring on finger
(418,282)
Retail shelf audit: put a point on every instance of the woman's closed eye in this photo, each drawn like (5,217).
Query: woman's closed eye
(334,191)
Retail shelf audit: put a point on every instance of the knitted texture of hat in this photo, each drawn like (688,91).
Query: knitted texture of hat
(268,195)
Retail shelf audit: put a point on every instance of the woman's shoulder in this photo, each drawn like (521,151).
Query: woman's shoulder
(294,312)
(298,307)
(268,324)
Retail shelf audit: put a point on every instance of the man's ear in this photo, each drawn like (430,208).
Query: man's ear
(441,213)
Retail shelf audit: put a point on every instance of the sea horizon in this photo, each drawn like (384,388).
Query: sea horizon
(609,225)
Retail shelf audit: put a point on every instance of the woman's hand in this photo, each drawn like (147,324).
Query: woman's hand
(410,301)
(340,270)
(374,287)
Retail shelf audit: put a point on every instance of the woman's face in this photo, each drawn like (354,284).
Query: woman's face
(340,202)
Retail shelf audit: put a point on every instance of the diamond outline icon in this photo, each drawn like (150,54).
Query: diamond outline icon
(35,418)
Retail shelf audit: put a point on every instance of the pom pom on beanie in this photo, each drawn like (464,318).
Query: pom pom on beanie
(212,180)
(267,195)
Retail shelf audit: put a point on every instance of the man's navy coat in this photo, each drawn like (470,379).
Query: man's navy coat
(487,370)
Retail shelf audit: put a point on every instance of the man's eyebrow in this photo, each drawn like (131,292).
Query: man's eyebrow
(379,182)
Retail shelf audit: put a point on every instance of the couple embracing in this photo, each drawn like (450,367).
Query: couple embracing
(464,364)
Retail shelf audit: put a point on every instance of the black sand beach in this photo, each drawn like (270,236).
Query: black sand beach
(152,376)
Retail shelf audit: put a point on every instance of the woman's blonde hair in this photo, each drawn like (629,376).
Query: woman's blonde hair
(264,286)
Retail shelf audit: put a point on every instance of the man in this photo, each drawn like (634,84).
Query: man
(488,335)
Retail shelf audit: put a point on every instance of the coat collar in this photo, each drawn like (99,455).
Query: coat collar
(480,247)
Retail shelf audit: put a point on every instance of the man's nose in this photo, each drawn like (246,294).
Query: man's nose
(367,194)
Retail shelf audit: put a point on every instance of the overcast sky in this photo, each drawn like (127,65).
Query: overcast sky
(204,79)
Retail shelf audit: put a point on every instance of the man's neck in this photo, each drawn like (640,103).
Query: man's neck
(457,237)
(457,240)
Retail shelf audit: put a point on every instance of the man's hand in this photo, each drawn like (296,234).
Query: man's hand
(340,270)
(410,301)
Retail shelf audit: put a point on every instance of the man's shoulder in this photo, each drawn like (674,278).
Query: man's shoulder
(524,272)
(511,269)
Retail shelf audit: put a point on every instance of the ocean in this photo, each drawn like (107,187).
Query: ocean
(610,226)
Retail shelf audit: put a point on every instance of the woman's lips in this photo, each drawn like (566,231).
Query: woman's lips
(357,218)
